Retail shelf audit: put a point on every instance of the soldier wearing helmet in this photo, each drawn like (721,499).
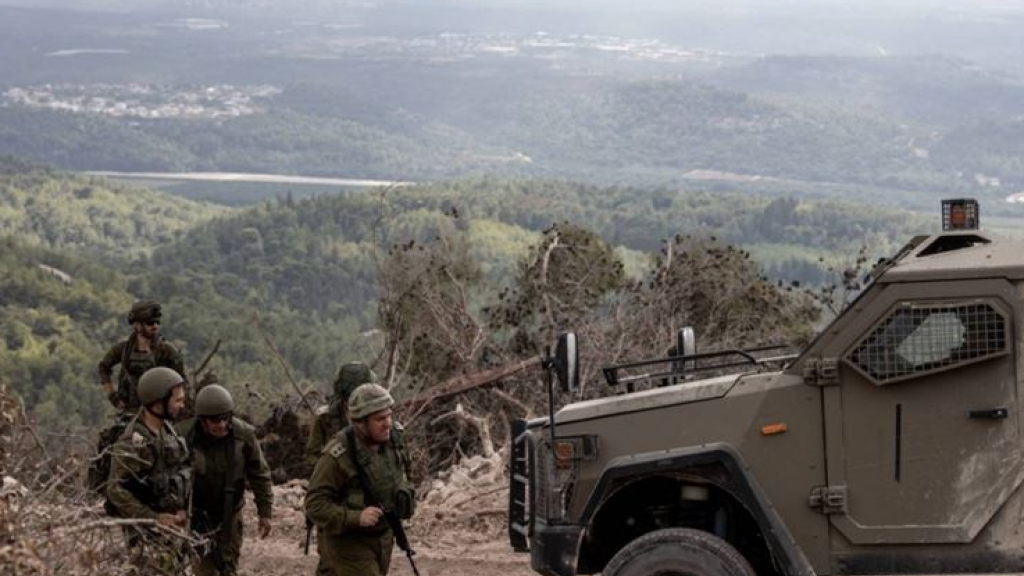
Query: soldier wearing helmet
(352,534)
(226,458)
(331,418)
(150,476)
(142,350)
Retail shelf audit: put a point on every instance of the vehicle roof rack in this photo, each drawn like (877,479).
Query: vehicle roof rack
(682,366)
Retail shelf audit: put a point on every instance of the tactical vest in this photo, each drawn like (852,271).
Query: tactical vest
(134,364)
(165,487)
(388,472)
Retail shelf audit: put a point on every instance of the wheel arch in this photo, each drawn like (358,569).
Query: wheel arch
(646,477)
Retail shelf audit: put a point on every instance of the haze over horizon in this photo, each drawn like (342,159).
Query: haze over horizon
(913,95)
(985,32)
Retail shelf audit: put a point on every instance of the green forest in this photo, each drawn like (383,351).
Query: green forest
(646,133)
(305,275)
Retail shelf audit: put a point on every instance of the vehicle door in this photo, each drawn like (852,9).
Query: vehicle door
(922,424)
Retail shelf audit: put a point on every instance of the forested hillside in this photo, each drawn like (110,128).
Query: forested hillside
(590,129)
(90,215)
(306,274)
(280,142)
(56,312)
(301,252)
(940,92)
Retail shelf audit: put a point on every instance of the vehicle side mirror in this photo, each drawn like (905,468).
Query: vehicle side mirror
(567,362)
(686,342)
(686,346)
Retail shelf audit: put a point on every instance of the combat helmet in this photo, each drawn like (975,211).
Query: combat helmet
(367,399)
(214,400)
(145,311)
(156,384)
(351,376)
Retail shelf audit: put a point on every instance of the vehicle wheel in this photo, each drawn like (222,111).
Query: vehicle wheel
(678,552)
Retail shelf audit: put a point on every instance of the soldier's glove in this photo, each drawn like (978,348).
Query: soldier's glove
(405,502)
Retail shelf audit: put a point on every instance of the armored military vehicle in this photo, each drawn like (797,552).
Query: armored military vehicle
(890,445)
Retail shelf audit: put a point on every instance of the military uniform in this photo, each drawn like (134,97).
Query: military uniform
(150,475)
(335,500)
(134,364)
(216,480)
(329,421)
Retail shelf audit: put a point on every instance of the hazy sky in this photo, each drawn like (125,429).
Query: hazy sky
(584,5)
(984,31)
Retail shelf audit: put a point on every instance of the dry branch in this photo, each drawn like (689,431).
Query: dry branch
(466,382)
(481,423)
(202,366)
(284,365)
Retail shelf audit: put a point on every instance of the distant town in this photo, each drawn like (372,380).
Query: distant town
(459,46)
(144,100)
(225,101)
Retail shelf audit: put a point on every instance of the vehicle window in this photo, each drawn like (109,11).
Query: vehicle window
(922,338)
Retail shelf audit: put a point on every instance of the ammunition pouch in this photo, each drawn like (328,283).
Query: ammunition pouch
(405,503)
(164,492)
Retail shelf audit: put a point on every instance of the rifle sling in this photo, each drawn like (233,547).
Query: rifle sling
(372,498)
(229,490)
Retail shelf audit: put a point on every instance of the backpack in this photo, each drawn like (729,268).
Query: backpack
(99,464)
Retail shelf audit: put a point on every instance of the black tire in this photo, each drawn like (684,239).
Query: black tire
(678,552)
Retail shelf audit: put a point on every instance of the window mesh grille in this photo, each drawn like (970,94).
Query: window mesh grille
(923,338)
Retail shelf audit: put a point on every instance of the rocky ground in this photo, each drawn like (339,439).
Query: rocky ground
(459,529)
(59,528)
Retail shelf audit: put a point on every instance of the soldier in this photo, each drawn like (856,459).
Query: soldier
(331,418)
(149,474)
(142,350)
(359,489)
(226,456)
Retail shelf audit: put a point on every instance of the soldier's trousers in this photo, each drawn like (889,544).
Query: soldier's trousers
(155,553)
(354,555)
(230,548)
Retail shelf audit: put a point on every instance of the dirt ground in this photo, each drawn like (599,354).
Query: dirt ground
(279,557)
(458,530)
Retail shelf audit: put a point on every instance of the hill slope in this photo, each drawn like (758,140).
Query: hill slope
(592,129)
(44,207)
(308,269)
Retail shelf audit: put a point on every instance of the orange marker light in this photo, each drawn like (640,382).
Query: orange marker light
(773,429)
(960,214)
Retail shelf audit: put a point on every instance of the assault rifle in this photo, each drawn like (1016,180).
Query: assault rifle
(309,532)
(390,516)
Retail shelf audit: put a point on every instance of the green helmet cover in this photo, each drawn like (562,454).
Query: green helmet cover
(367,399)
(144,311)
(350,376)
(214,400)
(157,383)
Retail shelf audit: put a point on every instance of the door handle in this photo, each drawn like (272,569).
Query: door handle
(990,414)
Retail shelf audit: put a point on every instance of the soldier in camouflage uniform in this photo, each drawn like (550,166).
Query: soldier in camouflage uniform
(142,350)
(330,419)
(225,457)
(352,534)
(150,476)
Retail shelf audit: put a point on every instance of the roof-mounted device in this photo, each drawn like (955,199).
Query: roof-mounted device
(960,214)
